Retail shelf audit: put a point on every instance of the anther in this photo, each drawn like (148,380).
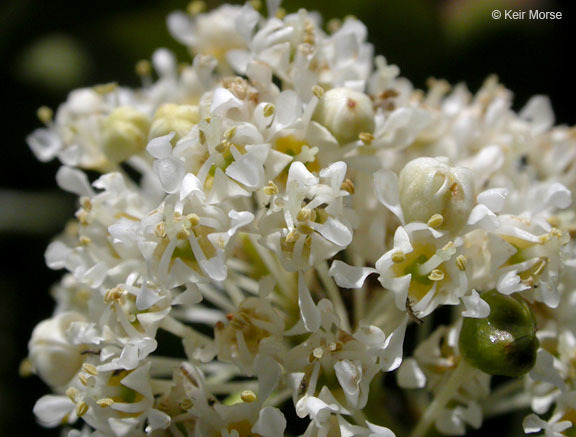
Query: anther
(248,396)
(398,257)
(45,114)
(105,402)
(366,138)
(435,221)
(436,275)
(81,408)
(461,262)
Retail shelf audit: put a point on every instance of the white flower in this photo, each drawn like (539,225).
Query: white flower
(52,354)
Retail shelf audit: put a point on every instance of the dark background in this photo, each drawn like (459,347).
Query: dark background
(48,48)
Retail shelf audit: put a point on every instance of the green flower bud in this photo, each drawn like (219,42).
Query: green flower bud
(170,117)
(346,114)
(433,191)
(125,131)
(504,343)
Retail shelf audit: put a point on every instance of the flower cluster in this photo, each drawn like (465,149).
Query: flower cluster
(258,232)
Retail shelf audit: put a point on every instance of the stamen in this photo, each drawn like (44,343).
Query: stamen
(461,262)
(436,275)
(435,221)
(248,396)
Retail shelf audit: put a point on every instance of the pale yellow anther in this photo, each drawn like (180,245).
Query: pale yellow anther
(82,217)
(461,262)
(45,114)
(271,189)
(86,203)
(304,214)
(435,221)
(540,265)
(448,245)
(85,241)
(366,138)
(25,369)
(83,378)
(114,295)
(305,228)
(202,136)
(292,236)
(193,219)
(269,110)
(318,91)
(318,353)
(398,257)
(186,404)
(72,393)
(183,234)
(90,369)
(143,68)
(436,275)
(248,396)
(348,185)
(280,13)
(160,230)
(543,239)
(333,25)
(223,147)
(196,7)
(256,4)
(106,88)
(230,133)
(105,402)
(81,408)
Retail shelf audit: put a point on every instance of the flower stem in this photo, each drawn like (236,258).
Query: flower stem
(459,376)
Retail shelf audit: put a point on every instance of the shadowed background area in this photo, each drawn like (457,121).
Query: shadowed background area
(48,48)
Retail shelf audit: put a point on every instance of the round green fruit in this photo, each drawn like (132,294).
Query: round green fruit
(504,343)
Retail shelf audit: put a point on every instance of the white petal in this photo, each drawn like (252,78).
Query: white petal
(181,28)
(387,192)
(223,100)
(157,420)
(191,185)
(288,108)
(74,181)
(493,198)
(334,231)
(483,217)
(476,307)
(410,375)
(51,409)
(170,172)
(309,312)
(510,283)
(271,423)
(532,424)
(164,62)
(348,276)
(558,196)
(161,147)
(538,111)
(391,358)
(544,369)
(44,144)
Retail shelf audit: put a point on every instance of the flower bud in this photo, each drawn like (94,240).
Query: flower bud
(51,354)
(174,118)
(505,342)
(345,113)
(125,132)
(430,188)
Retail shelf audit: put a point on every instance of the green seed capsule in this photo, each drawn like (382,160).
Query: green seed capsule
(504,343)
